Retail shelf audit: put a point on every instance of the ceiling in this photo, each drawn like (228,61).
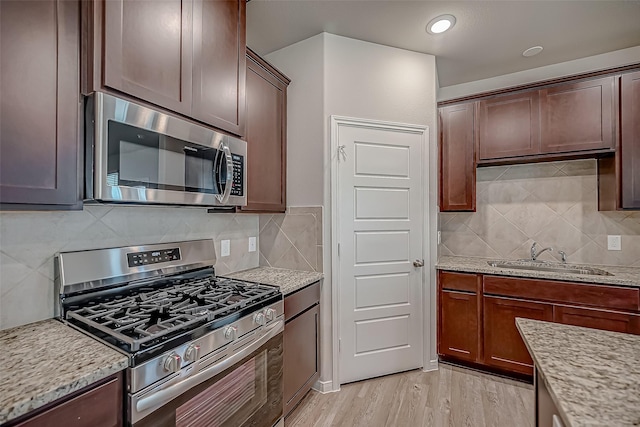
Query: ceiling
(487,40)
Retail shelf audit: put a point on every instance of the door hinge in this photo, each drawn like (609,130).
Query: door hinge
(339,345)
(338,249)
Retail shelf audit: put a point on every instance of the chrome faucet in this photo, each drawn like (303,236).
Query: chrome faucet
(534,251)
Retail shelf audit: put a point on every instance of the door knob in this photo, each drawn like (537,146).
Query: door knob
(418,263)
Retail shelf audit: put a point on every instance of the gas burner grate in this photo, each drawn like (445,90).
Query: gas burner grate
(152,313)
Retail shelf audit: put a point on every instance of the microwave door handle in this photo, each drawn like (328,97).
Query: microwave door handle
(229,184)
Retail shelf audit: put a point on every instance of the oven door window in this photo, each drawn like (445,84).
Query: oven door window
(140,158)
(247,394)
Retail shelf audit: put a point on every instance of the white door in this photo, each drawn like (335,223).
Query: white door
(380,220)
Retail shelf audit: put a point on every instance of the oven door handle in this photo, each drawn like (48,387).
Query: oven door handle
(161,397)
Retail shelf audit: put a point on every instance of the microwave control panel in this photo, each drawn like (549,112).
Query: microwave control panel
(136,259)
(237,188)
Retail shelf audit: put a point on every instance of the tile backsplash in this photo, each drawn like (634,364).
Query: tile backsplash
(554,204)
(293,239)
(29,241)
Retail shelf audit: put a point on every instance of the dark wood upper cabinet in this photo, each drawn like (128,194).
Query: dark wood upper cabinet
(266,135)
(508,126)
(148,52)
(578,116)
(503,345)
(457,158)
(185,56)
(630,140)
(219,64)
(40,103)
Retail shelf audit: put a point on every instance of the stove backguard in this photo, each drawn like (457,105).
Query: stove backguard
(93,271)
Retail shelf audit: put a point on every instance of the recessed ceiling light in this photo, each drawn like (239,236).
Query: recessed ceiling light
(441,24)
(532,51)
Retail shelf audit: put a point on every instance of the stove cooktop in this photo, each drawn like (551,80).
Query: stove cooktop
(168,313)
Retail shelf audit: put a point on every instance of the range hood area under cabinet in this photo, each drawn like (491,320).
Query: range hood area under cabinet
(576,119)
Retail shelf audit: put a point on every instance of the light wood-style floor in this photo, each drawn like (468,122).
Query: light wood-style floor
(451,396)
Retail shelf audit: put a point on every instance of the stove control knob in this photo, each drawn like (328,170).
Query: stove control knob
(193,353)
(270,313)
(230,333)
(260,319)
(172,363)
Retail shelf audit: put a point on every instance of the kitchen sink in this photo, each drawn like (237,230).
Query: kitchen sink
(553,267)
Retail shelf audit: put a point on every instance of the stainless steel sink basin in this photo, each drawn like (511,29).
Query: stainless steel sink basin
(549,266)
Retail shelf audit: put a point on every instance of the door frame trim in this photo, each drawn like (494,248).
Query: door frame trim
(427,289)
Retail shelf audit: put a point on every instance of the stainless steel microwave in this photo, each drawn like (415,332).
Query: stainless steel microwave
(135,154)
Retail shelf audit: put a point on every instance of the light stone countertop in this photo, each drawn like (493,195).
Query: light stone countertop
(593,376)
(288,280)
(622,276)
(47,360)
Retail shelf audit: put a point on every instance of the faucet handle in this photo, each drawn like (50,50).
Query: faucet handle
(563,256)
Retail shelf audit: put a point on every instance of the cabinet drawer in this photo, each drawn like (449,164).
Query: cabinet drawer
(563,292)
(98,407)
(597,319)
(458,281)
(300,300)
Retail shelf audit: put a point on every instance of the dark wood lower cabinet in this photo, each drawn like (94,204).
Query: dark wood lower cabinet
(458,329)
(503,346)
(95,406)
(598,319)
(301,344)
(477,315)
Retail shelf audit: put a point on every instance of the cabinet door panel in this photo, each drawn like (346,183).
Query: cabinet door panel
(39,105)
(578,116)
(503,345)
(148,51)
(597,319)
(301,356)
(99,407)
(219,63)
(458,325)
(457,158)
(630,143)
(509,126)
(266,140)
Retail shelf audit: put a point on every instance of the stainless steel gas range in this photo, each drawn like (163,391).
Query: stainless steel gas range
(203,350)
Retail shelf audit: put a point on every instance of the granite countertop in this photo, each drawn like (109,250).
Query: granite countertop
(47,360)
(593,376)
(288,280)
(622,276)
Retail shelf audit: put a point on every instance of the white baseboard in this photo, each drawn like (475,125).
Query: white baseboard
(324,387)
(431,366)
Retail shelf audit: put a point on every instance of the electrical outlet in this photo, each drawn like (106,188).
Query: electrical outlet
(614,243)
(225,247)
(252,244)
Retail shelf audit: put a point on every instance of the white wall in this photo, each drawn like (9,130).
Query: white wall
(363,80)
(303,64)
(613,59)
